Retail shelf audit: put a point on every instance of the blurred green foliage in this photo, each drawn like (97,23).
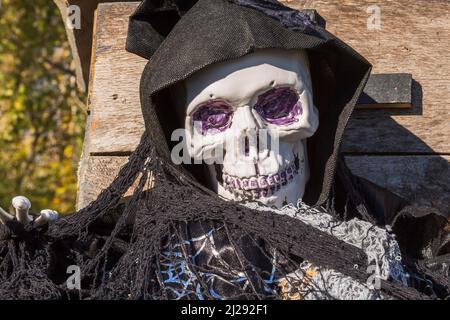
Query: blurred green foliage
(41,110)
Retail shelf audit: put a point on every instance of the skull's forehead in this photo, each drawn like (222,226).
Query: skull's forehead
(240,80)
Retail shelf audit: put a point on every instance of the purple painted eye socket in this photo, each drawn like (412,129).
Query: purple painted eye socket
(279,106)
(213,117)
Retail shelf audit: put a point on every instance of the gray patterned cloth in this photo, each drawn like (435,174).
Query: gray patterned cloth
(379,244)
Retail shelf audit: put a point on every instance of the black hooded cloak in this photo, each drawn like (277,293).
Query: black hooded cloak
(127,247)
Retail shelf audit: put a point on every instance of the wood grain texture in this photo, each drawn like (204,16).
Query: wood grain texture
(412,42)
(81,39)
(116,119)
(112,99)
(422,179)
(100,172)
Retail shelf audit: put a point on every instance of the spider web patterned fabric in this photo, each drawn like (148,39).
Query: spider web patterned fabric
(183,283)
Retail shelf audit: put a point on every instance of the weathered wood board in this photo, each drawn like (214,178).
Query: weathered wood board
(80,39)
(98,173)
(406,151)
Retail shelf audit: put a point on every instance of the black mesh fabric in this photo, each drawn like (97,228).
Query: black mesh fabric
(172,227)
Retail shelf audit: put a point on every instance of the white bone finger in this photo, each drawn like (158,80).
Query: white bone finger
(22,206)
(46,217)
(5,216)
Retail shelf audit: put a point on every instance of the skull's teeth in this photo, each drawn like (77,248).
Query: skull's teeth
(254,184)
(257,187)
(262,182)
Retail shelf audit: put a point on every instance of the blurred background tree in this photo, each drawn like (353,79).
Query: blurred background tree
(41,110)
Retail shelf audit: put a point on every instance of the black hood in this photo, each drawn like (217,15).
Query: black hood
(181,37)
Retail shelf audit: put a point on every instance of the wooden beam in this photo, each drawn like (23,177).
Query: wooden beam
(99,173)
(80,40)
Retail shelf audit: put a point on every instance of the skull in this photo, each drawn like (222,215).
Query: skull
(248,119)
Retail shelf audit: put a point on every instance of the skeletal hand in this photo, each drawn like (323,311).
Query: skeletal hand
(22,214)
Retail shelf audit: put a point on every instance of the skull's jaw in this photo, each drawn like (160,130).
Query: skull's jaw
(284,187)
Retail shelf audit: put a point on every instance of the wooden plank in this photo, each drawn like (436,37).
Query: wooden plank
(100,173)
(424,179)
(116,118)
(95,174)
(81,39)
(414,42)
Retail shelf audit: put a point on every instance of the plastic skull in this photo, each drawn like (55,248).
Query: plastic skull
(248,119)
